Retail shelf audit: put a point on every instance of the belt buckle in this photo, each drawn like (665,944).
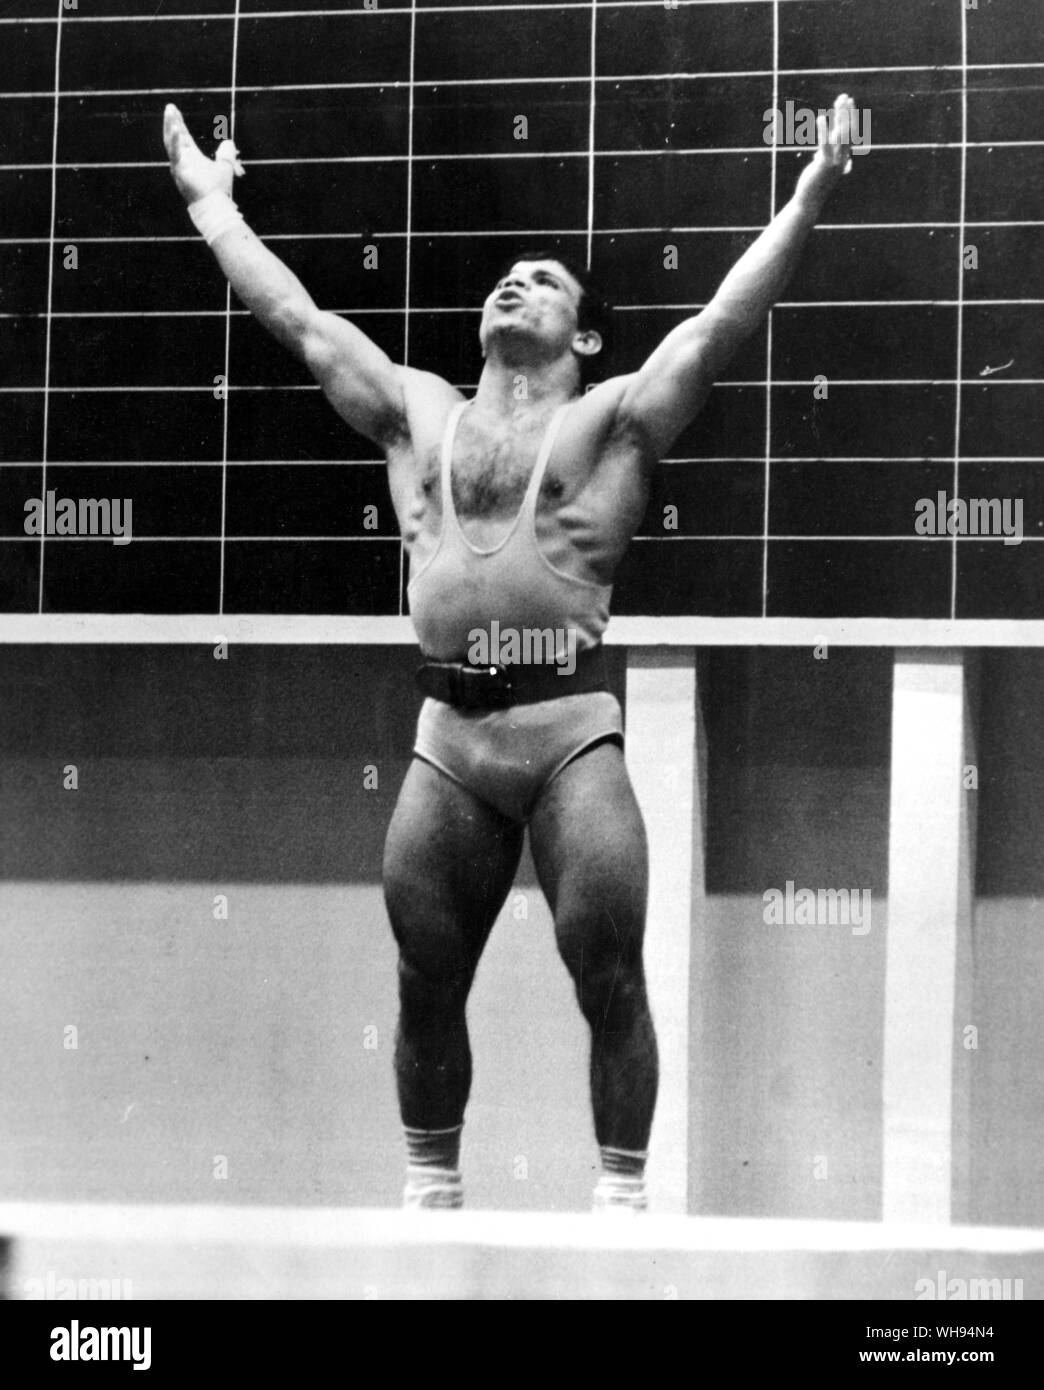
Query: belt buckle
(483,687)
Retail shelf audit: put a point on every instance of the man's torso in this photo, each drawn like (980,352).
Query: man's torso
(595,488)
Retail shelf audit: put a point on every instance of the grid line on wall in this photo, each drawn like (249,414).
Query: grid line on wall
(768,335)
(345,13)
(655,77)
(391,234)
(50,293)
(591,118)
(959,372)
(407,269)
(589,155)
(730,384)
(687,306)
(228,340)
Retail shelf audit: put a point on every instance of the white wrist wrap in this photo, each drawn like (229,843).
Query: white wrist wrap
(213,214)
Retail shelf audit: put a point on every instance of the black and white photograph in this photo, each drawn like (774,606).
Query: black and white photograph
(522,660)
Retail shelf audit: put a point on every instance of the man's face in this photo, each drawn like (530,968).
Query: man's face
(536,301)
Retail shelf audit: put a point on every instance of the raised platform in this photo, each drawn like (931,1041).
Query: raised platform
(198,1252)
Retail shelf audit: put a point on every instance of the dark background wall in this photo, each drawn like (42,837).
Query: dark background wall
(248,1037)
(1007,1097)
(787,1118)
(787,505)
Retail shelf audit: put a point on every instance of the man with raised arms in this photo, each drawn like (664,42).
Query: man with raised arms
(515,509)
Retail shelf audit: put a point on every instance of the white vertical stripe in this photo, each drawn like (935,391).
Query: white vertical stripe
(964,983)
(661,752)
(768,329)
(591,133)
(409,181)
(50,293)
(960,298)
(228,337)
(409,243)
(926,872)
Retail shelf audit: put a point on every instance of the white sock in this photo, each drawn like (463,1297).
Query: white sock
(615,1193)
(433,1178)
(621,1186)
(436,1189)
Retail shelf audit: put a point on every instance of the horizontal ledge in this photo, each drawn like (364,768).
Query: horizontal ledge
(305,630)
(322,1227)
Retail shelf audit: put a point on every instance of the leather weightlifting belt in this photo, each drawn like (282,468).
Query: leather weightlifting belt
(498,687)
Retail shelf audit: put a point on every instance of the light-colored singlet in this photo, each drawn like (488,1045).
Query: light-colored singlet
(456,587)
(505,756)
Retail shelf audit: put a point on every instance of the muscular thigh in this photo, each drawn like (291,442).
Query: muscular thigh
(449,860)
(589,848)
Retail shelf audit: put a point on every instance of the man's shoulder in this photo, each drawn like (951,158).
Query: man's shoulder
(427,385)
(604,398)
(426,399)
(602,414)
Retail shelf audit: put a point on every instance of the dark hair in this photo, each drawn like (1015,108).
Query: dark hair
(594,310)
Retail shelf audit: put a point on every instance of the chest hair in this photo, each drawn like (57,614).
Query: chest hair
(491,473)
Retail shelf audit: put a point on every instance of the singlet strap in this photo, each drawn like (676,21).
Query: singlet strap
(448,436)
(527,511)
(529,502)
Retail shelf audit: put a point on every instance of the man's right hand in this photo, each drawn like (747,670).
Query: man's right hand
(195,174)
(361,383)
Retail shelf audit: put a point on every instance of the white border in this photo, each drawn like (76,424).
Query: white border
(353,630)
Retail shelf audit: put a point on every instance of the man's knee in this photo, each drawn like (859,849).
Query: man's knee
(434,981)
(607,974)
(423,919)
(612,999)
(401,894)
(432,934)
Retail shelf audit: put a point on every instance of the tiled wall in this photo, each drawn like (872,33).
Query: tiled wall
(787,504)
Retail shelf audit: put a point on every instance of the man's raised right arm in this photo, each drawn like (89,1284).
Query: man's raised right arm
(361,382)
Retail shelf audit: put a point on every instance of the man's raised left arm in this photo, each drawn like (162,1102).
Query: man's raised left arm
(665,394)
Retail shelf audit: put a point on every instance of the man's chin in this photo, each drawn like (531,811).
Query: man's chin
(507,336)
